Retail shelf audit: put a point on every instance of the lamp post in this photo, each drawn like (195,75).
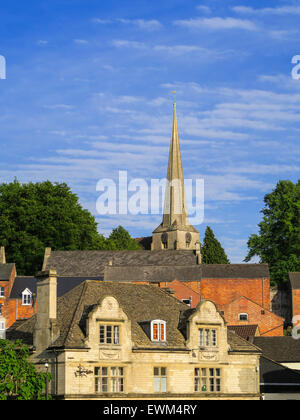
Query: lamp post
(47,368)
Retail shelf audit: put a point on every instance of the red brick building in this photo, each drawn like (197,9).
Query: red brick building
(295,293)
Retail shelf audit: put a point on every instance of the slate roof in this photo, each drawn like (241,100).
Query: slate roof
(244,331)
(280,377)
(5,271)
(295,280)
(140,303)
(64,285)
(280,349)
(184,273)
(92,263)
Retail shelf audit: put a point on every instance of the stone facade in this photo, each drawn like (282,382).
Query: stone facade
(102,348)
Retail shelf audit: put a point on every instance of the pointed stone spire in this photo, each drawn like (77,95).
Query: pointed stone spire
(175,204)
(175,232)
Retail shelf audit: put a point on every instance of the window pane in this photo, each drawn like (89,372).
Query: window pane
(211,384)
(102,334)
(116,335)
(163,371)
(108,334)
(204,385)
(121,371)
(214,337)
(207,337)
(201,343)
(218,372)
(211,372)
(197,384)
(163,384)
(162,332)
(104,384)
(155,332)
(218,385)
(197,372)
(203,372)
(156,371)
(104,371)
(113,371)
(156,384)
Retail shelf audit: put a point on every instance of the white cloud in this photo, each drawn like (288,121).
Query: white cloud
(81,41)
(284,10)
(217,23)
(123,43)
(148,25)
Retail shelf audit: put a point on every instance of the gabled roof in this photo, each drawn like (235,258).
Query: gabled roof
(280,349)
(167,273)
(5,271)
(275,377)
(163,265)
(244,331)
(295,280)
(64,285)
(92,263)
(139,302)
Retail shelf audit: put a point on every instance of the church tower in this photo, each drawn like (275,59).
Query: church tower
(175,232)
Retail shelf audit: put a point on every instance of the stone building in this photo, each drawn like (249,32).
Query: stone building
(109,340)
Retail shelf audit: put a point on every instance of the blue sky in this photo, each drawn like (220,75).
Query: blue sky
(89,92)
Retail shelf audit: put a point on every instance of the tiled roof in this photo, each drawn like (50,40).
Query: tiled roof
(295,280)
(92,263)
(184,273)
(280,349)
(64,285)
(276,374)
(140,303)
(244,331)
(5,271)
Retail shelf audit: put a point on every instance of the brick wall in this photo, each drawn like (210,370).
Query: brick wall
(270,325)
(296,302)
(224,291)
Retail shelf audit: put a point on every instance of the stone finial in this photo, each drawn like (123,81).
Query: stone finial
(2,255)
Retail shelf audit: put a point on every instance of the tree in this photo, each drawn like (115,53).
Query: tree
(278,241)
(212,250)
(19,380)
(36,215)
(120,239)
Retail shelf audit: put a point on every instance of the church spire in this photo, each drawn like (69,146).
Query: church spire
(175,206)
(175,232)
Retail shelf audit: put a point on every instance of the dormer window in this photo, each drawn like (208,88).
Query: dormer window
(158,330)
(109,334)
(26,297)
(208,337)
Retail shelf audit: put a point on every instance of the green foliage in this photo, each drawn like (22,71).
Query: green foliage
(120,239)
(19,380)
(278,241)
(38,215)
(212,250)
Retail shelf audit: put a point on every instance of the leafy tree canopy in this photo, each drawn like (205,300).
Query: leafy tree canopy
(121,239)
(19,380)
(38,215)
(278,241)
(212,250)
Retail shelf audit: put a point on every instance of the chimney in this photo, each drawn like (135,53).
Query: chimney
(45,330)
(2,255)
(46,258)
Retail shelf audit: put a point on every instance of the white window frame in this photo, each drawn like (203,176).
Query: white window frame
(113,338)
(26,293)
(208,337)
(160,379)
(109,379)
(160,324)
(2,291)
(243,314)
(2,329)
(208,380)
